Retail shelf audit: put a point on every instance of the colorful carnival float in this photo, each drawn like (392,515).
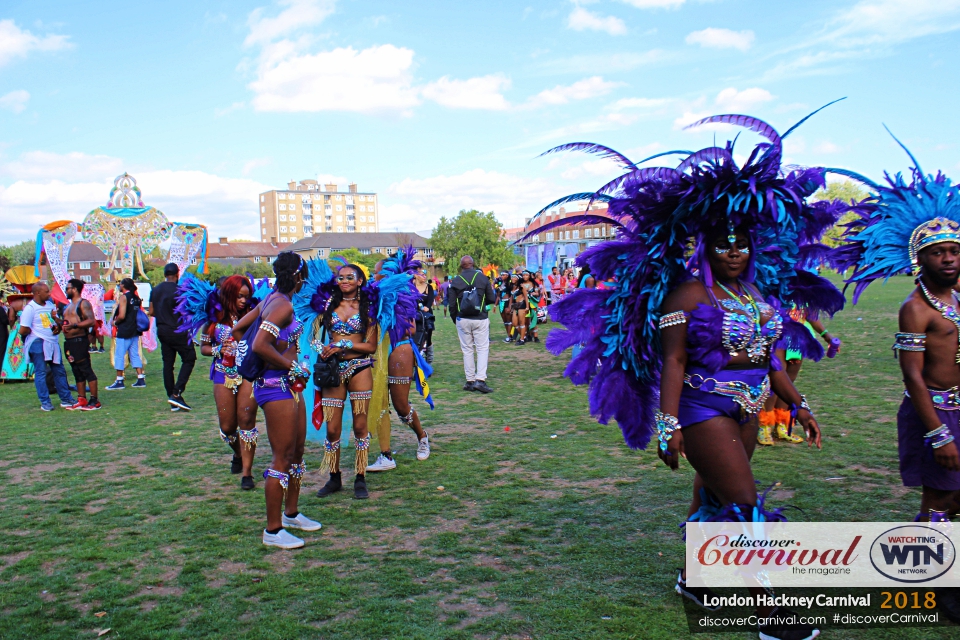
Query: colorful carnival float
(18,282)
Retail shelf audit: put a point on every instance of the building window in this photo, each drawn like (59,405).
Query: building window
(549,236)
(339,229)
(283,218)
(305,198)
(363,229)
(293,218)
(283,207)
(321,252)
(86,278)
(263,219)
(328,208)
(256,258)
(365,252)
(603,231)
(293,229)
(84,266)
(283,229)
(363,207)
(261,198)
(588,233)
(104,265)
(282,196)
(338,197)
(284,239)
(576,234)
(307,207)
(263,231)
(293,206)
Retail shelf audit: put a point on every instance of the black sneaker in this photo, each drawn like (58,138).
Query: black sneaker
(360,488)
(700,595)
(521,341)
(236,465)
(536,338)
(334,484)
(508,339)
(783,627)
(141,383)
(470,386)
(481,386)
(178,401)
(247,483)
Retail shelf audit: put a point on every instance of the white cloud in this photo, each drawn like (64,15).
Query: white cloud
(582,20)
(722,39)
(252,165)
(15,101)
(890,21)
(475,93)
(638,103)
(827,147)
(595,168)
(739,101)
(32,197)
(374,79)
(655,4)
(17,43)
(297,15)
(419,203)
(580,90)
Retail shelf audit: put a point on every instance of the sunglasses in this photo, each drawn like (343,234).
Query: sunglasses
(349,278)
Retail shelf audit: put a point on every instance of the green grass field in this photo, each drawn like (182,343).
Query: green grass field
(132,510)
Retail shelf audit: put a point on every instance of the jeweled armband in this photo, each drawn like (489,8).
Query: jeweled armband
(909,342)
(217,351)
(343,344)
(270,328)
(671,319)
(298,370)
(666,425)
(939,437)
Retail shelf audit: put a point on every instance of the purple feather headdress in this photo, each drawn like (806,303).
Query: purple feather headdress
(198,303)
(658,213)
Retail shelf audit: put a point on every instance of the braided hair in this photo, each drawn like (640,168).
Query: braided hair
(337,298)
(286,267)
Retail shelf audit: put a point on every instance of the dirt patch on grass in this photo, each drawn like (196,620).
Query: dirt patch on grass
(96,506)
(471,609)
(33,473)
(12,559)
(863,469)
(219,578)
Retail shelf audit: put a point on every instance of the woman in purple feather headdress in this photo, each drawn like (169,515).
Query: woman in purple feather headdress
(687,337)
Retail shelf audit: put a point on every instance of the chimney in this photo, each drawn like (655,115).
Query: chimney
(330,188)
(273,240)
(223,240)
(353,187)
(562,211)
(292,185)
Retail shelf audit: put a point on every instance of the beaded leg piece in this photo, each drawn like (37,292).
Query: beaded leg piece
(360,401)
(296,473)
(933,515)
(363,447)
(330,405)
(229,440)
(407,419)
(249,438)
(399,380)
(331,457)
(282,477)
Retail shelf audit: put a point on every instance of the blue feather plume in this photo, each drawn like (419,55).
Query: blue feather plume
(197,302)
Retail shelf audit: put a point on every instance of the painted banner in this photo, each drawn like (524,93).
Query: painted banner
(549,256)
(533,254)
(188,241)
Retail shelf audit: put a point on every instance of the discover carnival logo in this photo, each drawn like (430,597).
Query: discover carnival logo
(913,553)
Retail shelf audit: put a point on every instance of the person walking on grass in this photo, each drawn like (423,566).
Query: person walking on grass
(40,327)
(444,294)
(127,341)
(78,318)
(173,343)
(471,295)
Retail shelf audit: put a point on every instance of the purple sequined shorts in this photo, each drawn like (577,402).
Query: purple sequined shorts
(917,466)
(271,387)
(740,394)
(216,376)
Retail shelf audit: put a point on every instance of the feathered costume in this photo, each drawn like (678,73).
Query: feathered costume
(905,216)
(664,217)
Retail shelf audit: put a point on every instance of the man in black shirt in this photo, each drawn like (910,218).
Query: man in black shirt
(163,299)
(471,295)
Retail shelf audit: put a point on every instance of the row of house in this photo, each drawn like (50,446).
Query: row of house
(568,240)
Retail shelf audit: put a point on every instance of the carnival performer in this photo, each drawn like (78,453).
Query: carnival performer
(694,358)
(353,340)
(78,319)
(16,361)
(276,344)
(534,293)
(520,306)
(399,297)
(775,416)
(426,322)
(213,312)
(503,303)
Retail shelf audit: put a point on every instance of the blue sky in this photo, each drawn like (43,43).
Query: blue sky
(444,105)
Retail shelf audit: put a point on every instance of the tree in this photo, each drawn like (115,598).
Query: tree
(473,233)
(354,256)
(845,191)
(21,253)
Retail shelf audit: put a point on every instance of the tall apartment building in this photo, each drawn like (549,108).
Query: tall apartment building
(307,208)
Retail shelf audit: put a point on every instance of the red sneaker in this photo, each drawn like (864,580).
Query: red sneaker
(91,406)
(81,403)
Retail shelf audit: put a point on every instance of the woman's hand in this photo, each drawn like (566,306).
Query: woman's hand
(671,457)
(811,427)
(330,350)
(228,348)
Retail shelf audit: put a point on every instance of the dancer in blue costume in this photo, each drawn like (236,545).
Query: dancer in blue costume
(688,339)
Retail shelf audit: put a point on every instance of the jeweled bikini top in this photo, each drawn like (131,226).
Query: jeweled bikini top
(348,327)
(742,331)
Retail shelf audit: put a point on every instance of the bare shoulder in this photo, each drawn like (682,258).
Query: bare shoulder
(686,297)
(915,313)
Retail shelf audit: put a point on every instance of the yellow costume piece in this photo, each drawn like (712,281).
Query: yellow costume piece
(379,413)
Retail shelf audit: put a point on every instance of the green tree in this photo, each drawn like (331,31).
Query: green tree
(354,256)
(845,191)
(20,253)
(472,233)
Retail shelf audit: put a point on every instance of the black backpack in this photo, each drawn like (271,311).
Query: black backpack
(470,302)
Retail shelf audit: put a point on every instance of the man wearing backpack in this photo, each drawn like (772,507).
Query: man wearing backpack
(471,295)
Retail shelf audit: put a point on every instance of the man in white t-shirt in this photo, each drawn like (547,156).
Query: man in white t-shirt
(40,326)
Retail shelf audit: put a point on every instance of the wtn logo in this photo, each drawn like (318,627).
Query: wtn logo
(913,553)
(900,554)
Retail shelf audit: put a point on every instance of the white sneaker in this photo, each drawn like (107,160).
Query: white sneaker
(282,539)
(382,463)
(301,522)
(423,449)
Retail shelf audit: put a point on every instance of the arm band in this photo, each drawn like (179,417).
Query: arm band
(666,425)
(671,319)
(910,342)
(939,437)
(270,328)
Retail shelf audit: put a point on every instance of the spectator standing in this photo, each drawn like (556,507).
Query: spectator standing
(444,294)
(40,327)
(173,343)
(557,285)
(127,340)
(471,295)
(77,319)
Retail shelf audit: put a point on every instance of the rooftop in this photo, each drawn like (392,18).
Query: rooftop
(85,252)
(226,249)
(340,241)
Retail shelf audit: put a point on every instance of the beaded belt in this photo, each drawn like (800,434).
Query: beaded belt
(272,383)
(948,400)
(750,398)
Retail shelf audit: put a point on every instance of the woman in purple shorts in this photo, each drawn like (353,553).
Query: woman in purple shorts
(278,392)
